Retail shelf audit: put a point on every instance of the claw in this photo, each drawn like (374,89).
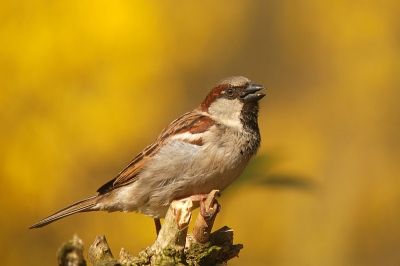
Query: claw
(208,215)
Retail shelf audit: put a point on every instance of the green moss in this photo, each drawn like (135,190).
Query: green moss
(170,257)
(203,254)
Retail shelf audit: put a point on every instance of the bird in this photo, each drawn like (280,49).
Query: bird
(204,149)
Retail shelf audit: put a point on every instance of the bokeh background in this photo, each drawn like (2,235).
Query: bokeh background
(85,85)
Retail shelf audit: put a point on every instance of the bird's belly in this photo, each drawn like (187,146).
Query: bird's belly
(173,175)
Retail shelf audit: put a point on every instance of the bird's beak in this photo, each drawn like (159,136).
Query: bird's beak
(249,93)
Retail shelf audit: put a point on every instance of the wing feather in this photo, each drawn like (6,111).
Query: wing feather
(189,123)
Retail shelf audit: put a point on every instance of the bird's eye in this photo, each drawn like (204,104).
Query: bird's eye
(229,91)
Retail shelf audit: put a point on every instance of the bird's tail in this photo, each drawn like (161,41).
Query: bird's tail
(80,206)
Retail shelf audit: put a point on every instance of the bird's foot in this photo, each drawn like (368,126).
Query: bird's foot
(209,212)
(202,197)
(157,222)
(209,206)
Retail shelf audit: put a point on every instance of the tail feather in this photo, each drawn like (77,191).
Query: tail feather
(80,206)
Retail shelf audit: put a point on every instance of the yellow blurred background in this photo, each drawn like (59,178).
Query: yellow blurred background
(85,85)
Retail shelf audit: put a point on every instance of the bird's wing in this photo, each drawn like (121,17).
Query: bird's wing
(186,128)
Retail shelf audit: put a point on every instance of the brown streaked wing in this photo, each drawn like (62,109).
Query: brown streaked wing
(192,122)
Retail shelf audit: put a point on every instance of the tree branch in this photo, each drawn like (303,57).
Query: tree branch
(173,245)
(71,253)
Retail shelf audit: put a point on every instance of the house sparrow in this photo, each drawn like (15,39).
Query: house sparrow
(205,149)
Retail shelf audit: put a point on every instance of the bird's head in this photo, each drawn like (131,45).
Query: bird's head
(231,98)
